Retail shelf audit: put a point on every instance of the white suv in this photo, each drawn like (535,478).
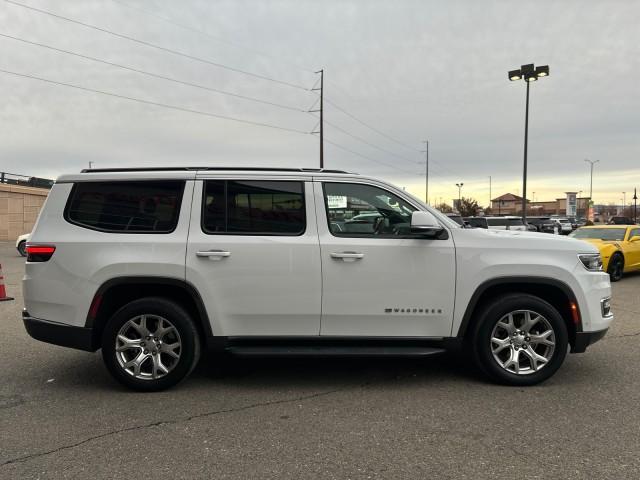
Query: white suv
(152,265)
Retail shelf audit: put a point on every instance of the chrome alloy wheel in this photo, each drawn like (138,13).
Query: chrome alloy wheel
(148,347)
(522,342)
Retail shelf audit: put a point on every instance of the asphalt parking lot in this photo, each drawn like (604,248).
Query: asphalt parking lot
(62,416)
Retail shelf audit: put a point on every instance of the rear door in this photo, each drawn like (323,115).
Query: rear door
(253,255)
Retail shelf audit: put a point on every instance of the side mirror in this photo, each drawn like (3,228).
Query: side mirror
(635,238)
(424,223)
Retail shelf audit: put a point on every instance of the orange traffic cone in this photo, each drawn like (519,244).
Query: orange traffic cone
(3,292)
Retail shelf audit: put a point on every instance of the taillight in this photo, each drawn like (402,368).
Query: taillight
(39,253)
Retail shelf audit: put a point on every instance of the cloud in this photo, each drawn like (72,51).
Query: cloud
(413,69)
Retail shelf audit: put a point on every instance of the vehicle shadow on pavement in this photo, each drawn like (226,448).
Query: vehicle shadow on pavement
(320,370)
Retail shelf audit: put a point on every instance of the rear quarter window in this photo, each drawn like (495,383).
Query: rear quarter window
(126,207)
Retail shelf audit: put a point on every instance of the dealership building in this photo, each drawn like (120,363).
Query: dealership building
(510,204)
(21,199)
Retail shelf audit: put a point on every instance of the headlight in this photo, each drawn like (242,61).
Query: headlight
(591,261)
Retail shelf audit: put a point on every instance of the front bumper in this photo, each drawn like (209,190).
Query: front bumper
(584,339)
(80,338)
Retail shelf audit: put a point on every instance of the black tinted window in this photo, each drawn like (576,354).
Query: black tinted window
(126,207)
(254,207)
(497,222)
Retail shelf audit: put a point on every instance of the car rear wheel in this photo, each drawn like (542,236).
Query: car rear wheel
(616,267)
(150,344)
(519,340)
(22,248)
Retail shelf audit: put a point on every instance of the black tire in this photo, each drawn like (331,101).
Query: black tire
(616,267)
(189,350)
(489,317)
(22,248)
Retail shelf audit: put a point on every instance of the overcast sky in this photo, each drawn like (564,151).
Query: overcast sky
(413,70)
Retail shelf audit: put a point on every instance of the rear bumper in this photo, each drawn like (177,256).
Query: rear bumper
(80,338)
(584,339)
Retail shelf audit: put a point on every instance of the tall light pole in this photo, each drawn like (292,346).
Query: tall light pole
(426,172)
(529,73)
(635,205)
(592,163)
(459,185)
(490,203)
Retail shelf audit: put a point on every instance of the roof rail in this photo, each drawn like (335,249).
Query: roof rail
(244,169)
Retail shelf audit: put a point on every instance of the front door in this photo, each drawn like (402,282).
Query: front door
(632,253)
(377,279)
(253,255)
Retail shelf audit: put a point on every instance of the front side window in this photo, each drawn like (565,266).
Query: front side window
(126,206)
(253,207)
(355,209)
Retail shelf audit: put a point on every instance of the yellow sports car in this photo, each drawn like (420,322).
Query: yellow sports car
(619,247)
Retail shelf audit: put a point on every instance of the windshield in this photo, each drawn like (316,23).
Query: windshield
(600,233)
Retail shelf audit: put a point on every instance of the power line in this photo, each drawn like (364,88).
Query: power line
(353,152)
(207,34)
(379,132)
(157,104)
(159,47)
(360,139)
(154,75)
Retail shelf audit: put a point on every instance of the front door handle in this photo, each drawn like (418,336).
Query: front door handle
(348,256)
(213,254)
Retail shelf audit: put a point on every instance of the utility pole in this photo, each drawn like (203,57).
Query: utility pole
(321,110)
(426,172)
(635,205)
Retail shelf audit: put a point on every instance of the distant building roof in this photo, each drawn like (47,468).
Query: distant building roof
(508,197)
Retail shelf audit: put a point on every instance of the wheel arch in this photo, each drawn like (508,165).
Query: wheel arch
(554,291)
(117,292)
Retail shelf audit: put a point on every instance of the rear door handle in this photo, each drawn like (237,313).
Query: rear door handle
(348,256)
(213,254)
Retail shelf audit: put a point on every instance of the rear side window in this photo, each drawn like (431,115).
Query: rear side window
(126,207)
(497,222)
(244,207)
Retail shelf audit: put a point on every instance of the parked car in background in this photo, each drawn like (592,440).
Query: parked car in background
(564,226)
(496,223)
(573,221)
(541,224)
(619,247)
(621,221)
(21,244)
(456,218)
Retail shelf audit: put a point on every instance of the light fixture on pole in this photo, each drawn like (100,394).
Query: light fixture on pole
(459,185)
(529,73)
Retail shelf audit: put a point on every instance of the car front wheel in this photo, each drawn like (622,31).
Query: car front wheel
(150,344)
(616,267)
(520,340)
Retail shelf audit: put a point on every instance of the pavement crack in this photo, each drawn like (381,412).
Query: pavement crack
(25,458)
